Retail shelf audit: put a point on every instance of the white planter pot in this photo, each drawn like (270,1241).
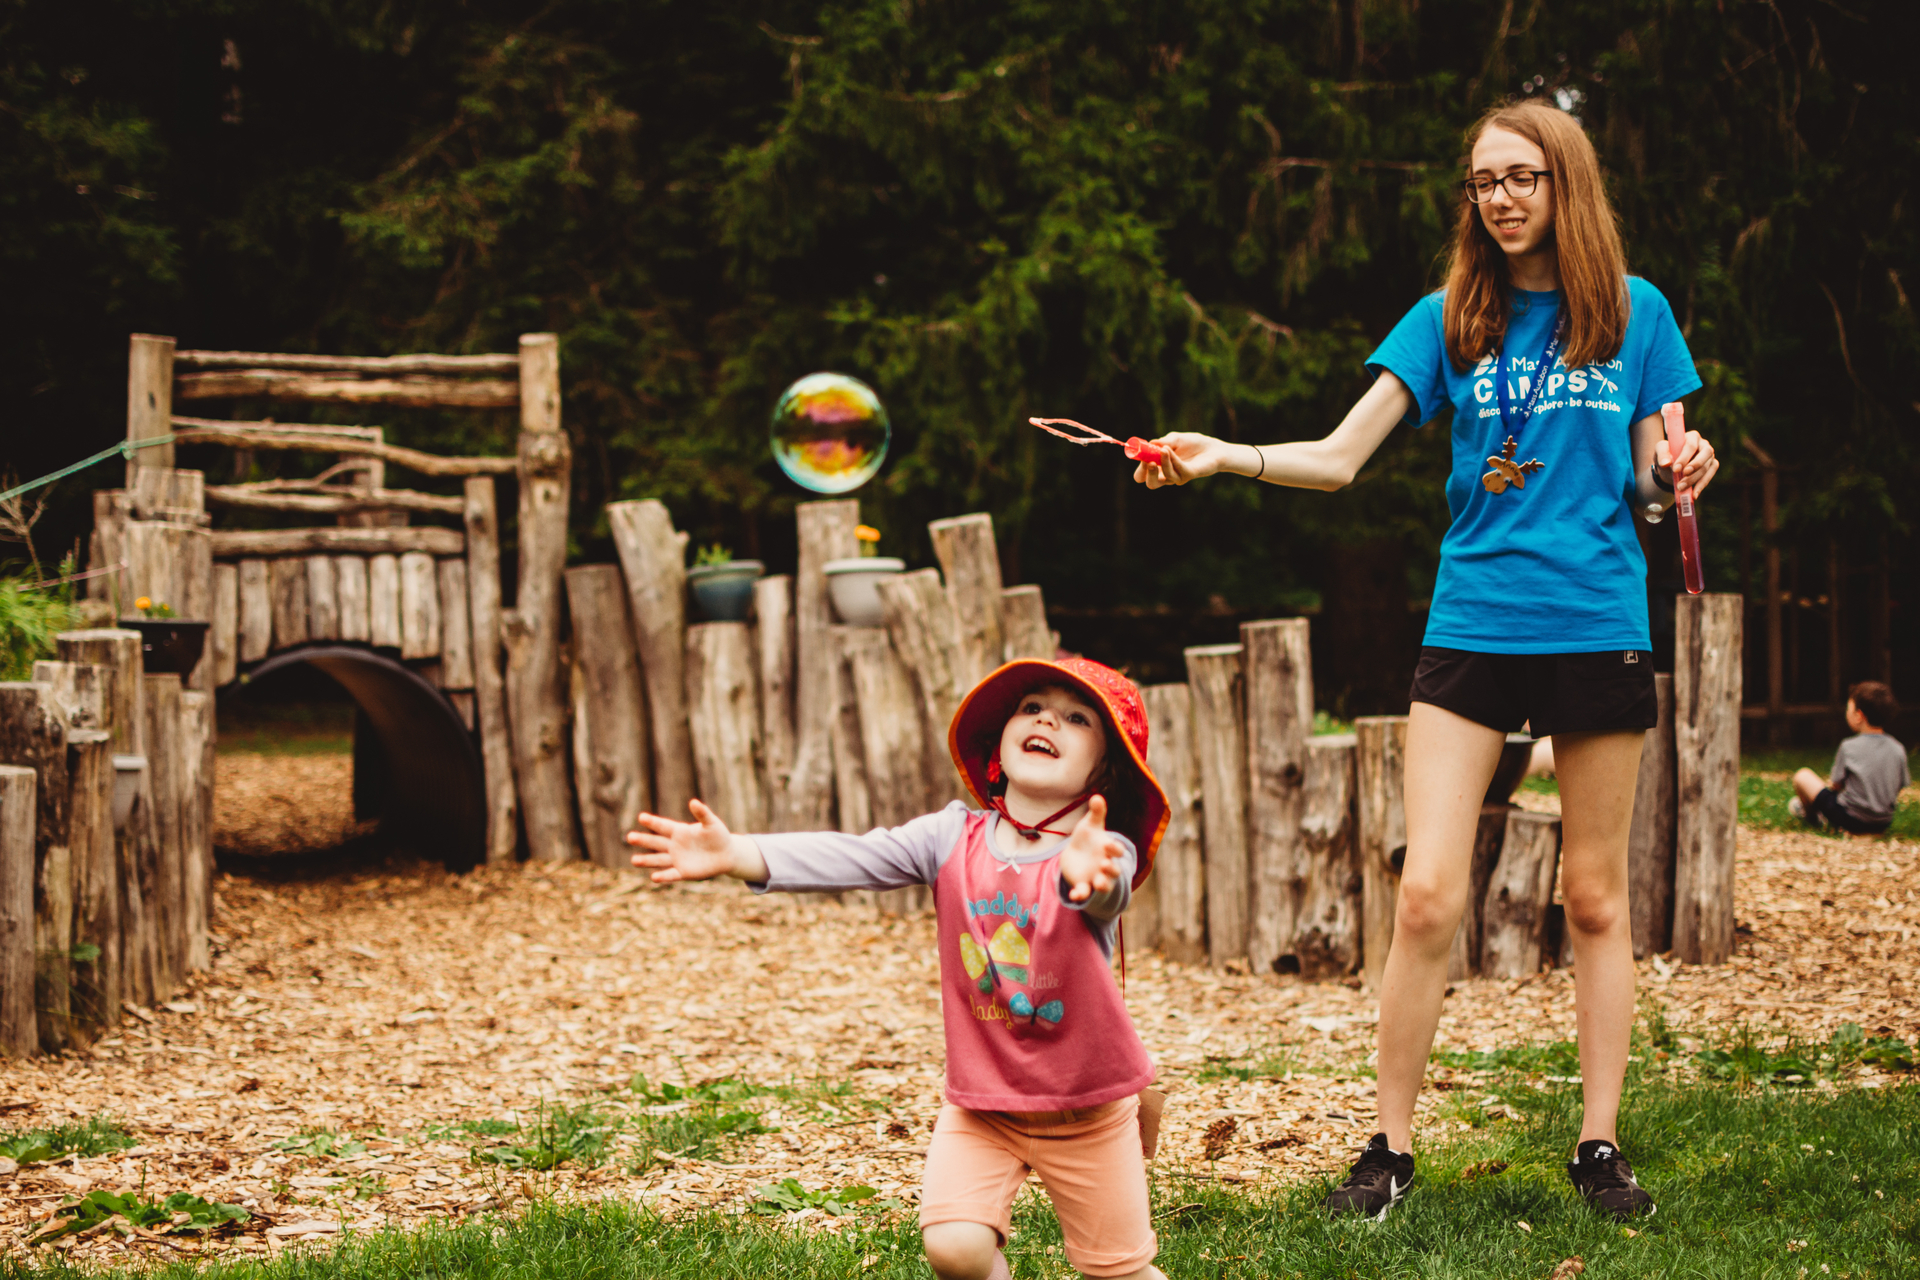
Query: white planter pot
(853,586)
(128,773)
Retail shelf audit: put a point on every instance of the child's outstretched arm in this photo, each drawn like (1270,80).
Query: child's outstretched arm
(697,850)
(1095,865)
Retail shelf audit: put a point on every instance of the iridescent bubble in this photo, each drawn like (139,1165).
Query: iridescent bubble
(830,433)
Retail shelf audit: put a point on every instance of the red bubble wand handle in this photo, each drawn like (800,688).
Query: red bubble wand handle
(1675,418)
(1136,448)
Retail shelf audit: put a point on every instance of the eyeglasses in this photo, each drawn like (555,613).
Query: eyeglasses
(1519,184)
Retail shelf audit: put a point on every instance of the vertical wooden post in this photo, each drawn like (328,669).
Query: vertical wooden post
(1279,697)
(456,634)
(826,533)
(225,635)
(1024,616)
(1214,673)
(890,732)
(1650,840)
(350,587)
(196,589)
(323,600)
(1706,713)
(920,622)
(196,828)
(149,400)
(117,656)
(971,563)
(383,601)
(1488,838)
(1179,871)
(773,654)
(723,704)
(19,820)
(853,799)
(256,611)
(653,558)
(1326,936)
(163,879)
(536,686)
(483,600)
(288,582)
(33,734)
(96,883)
(420,607)
(611,765)
(1381,743)
(1513,936)
(107,549)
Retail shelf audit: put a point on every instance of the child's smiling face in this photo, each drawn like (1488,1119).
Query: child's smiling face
(1053,744)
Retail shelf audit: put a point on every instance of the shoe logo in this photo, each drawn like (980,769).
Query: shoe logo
(1629,657)
(1394,1188)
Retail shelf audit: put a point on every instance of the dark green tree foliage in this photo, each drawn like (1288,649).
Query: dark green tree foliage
(1151,216)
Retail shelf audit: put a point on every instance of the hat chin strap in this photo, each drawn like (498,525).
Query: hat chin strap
(1040,828)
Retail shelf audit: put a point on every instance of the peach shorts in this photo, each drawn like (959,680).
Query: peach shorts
(1089,1159)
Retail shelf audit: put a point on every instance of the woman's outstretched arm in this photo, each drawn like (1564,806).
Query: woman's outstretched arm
(1327,463)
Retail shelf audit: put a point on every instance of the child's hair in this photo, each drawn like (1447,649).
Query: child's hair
(1875,701)
(1586,235)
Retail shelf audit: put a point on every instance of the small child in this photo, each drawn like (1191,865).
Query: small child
(1044,1068)
(1869,770)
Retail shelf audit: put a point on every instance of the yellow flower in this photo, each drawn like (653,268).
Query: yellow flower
(866,533)
(143,603)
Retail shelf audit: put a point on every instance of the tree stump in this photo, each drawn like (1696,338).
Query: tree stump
(1214,673)
(1488,837)
(96,883)
(489,682)
(853,802)
(1326,940)
(653,558)
(1278,669)
(196,827)
(1023,614)
(107,550)
(1706,714)
(383,601)
(612,769)
(1513,917)
(1650,841)
(723,702)
(19,821)
(256,611)
(971,563)
(117,659)
(1178,885)
(920,623)
(162,865)
(826,532)
(773,655)
(224,635)
(1381,747)
(33,735)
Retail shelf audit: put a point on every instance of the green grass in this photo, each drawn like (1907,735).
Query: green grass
(1743,1176)
(285,729)
(91,1137)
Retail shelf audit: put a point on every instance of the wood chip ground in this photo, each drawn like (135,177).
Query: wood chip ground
(395,998)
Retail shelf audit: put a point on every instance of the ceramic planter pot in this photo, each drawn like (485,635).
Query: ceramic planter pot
(853,586)
(168,646)
(724,592)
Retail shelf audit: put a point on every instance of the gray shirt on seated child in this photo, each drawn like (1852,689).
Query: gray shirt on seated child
(1869,772)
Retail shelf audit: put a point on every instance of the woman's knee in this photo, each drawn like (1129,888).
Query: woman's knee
(1428,912)
(1596,909)
(960,1250)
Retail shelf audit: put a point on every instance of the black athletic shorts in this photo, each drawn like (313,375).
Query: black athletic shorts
(1828,805)
(1550,692)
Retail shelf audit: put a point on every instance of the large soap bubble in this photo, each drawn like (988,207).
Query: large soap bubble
(830,433)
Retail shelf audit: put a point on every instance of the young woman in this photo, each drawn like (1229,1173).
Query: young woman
(1555,363)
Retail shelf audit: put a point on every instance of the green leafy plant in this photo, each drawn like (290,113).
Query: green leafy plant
(712,556)
(129,1214)
(472,1129)
(92,1137)
(322,1142)
(29,619)
(558,1134)
(789,1196)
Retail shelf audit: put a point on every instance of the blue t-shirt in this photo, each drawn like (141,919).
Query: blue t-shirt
(1554,566)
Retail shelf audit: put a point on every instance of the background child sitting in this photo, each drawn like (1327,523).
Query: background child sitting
(1869,770)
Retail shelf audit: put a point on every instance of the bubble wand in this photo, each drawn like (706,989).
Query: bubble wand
(1675,418)
(1136,448)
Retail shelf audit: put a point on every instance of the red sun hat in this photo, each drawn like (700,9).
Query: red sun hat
(1139,809)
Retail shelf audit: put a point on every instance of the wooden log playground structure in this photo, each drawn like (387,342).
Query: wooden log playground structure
(488,729)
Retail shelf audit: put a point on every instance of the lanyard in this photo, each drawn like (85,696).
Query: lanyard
(1539,379)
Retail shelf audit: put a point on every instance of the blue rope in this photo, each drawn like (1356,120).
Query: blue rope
(125,449)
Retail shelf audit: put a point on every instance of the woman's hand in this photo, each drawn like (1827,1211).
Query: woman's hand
(1189,456)
(1697,463)
(1091,861)
(697,850)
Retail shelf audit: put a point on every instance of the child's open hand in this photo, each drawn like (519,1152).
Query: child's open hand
(697,850)
(1091,861)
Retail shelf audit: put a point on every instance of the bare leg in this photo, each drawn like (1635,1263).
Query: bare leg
(1807,784)
(1598,772)
(1450,763)
(963,1251)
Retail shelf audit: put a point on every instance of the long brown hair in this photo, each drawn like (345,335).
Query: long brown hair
(1586,236)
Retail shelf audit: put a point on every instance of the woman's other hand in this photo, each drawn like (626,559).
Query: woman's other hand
(697,850)
(1697,464)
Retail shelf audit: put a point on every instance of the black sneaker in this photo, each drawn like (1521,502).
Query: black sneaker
(1377,1181)
(1605,1180)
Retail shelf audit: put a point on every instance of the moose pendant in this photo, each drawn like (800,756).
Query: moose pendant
(1508,472)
